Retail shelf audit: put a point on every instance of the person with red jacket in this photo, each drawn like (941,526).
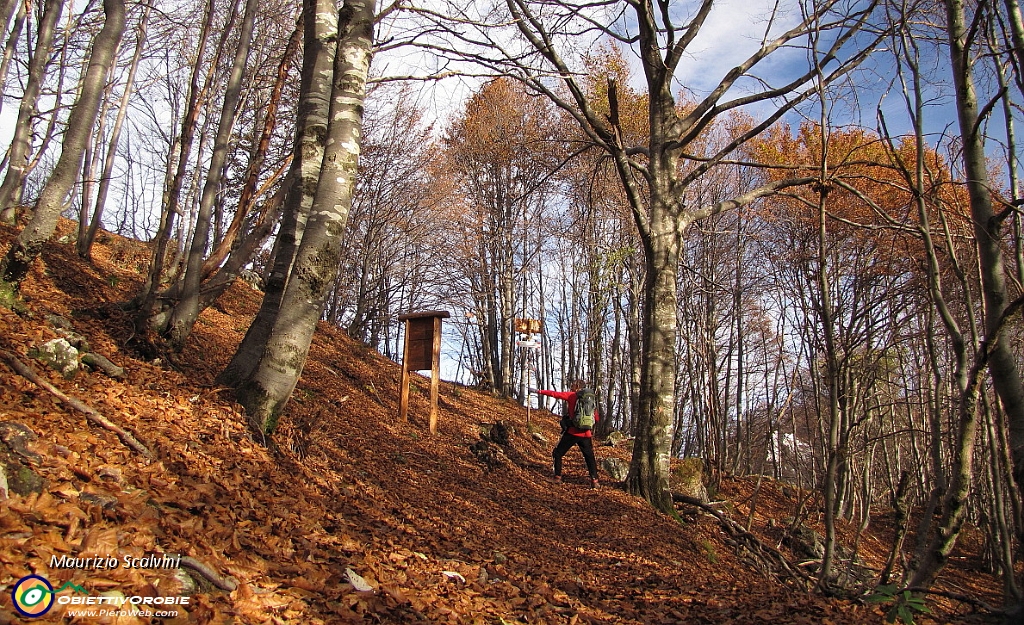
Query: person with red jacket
(584,439)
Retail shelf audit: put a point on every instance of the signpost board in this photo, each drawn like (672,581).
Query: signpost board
(527,328)
(422,351)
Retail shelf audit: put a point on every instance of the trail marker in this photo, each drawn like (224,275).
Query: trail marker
(527,327)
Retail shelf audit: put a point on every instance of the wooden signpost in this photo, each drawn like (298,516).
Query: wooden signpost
(422,351)
(527,328)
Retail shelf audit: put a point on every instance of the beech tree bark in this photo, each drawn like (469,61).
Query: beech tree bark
(265,394)
(29,243)
(320,37)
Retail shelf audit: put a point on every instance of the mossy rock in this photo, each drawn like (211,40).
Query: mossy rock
(58,354)
(617,468)
(10,299)
(688,479)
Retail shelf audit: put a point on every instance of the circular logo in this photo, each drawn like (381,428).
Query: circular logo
(32,596)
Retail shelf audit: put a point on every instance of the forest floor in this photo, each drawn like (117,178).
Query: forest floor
(438,535)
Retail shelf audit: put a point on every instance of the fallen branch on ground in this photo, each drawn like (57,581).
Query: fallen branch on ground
(102,363)
(92,415)
(224,583)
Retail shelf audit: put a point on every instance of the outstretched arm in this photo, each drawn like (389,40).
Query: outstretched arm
(563,395)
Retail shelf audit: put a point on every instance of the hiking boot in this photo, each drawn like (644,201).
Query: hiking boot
(594,483)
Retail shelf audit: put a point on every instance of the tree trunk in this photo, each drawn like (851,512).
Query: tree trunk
(266,393)
(18,156)
(649,469)
(186,311)
(26,248)
(834,451)
(84,244)
(12,40)
(319,44)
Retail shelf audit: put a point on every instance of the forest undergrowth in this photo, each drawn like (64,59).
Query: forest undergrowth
(346,498)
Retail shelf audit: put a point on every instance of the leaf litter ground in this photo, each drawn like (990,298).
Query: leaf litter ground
(346,494)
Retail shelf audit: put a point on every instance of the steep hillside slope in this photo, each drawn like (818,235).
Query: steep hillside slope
(344,496)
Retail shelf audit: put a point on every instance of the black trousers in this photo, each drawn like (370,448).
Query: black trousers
(586,445)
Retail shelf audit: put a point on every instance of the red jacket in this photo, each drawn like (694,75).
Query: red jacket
(570,398)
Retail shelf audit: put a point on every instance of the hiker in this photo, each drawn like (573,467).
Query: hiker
(576,426)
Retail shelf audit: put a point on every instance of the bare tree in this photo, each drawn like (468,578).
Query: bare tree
(187,309)
(18,156)
(40,228)
(178,158)
(87,229)
(657,173)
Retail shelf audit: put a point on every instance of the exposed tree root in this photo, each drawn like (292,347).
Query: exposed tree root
(765,558)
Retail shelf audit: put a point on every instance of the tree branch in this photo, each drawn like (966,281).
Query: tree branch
(26,372)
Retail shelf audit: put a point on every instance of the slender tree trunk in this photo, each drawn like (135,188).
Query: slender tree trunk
(186,311)
(8,8)
(936,554)
(22,8)
(26,248)
(505,334)
(834,450)
(1002,365)
(84,244)
(18,157)
(91,161)
(316,262)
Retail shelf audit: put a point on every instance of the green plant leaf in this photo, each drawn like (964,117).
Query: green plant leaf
(890,616)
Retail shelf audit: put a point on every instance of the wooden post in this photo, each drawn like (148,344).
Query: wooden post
(422,351)
(435,374)
(403,402)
